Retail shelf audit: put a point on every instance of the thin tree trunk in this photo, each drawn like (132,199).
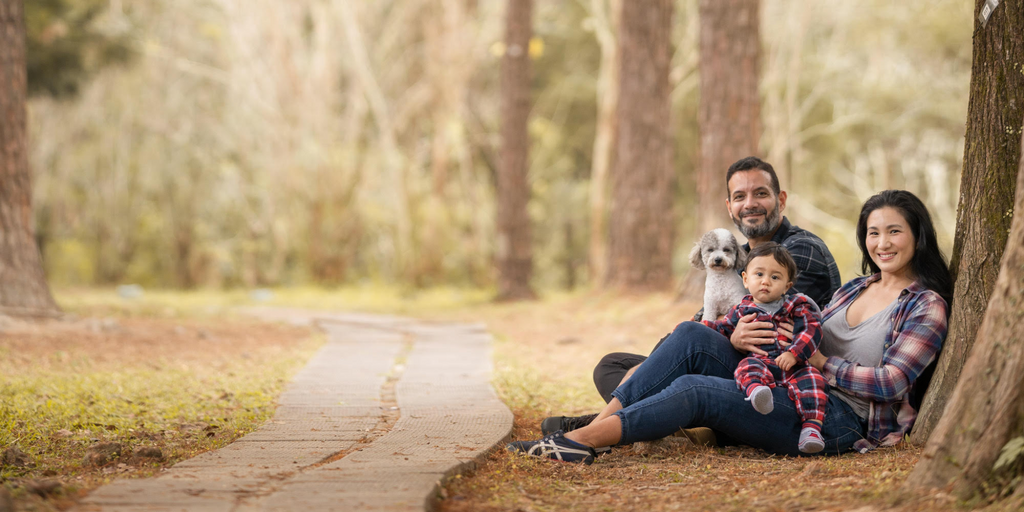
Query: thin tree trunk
(23,288)
(987,407)
(991,153)
(515,243)
(605,13)
(641,219)
(730,108)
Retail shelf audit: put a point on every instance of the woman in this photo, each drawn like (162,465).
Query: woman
(879,333)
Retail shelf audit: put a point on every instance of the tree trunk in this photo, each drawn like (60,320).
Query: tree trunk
(642,225)
(987,407)
(605,14)
(515,250)
(991,153)
(730,109)
(23,288)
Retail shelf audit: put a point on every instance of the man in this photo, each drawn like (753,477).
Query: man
(755,203)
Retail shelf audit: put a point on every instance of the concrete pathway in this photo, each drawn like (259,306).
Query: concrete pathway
(380,416)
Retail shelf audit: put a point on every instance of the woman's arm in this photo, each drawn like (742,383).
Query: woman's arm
(912,350)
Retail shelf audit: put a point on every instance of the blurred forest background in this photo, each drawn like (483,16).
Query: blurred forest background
(225,143)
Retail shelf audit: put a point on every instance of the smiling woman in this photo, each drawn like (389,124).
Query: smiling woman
(898,240)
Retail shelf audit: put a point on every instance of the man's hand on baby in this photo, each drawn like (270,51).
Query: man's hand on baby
(786,332)
(785,361)
(750,335)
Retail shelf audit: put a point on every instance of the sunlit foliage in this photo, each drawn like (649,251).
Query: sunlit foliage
(279,143)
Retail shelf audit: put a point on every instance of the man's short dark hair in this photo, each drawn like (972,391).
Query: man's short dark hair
(776,251)
(750,163)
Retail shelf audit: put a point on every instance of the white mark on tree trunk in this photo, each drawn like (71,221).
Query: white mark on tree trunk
(986,11)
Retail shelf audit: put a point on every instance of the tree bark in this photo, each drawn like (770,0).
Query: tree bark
(23,288)
(991,153)
(515,249)
(641,221)
(987,406)
(730,108)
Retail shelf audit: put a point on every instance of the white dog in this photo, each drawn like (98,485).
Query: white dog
(720,254)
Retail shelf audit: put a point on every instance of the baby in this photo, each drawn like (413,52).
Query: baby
(769,273)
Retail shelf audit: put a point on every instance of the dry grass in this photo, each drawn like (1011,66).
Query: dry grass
(544,357)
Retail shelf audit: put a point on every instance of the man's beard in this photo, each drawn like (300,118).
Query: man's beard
(770,224)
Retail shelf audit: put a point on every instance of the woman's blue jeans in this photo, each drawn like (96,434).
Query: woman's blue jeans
(688,382)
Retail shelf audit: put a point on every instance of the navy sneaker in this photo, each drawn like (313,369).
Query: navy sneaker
(555,447)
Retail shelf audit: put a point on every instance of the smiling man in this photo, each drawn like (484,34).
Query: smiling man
(755,203)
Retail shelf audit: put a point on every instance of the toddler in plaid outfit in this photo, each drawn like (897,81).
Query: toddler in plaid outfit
(769,273)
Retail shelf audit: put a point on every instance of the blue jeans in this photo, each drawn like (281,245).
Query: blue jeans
(688,382)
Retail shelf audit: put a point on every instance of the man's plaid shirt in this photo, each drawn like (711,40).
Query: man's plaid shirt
(918,327)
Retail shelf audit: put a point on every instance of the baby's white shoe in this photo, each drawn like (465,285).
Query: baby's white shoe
(762,400)
(811,441)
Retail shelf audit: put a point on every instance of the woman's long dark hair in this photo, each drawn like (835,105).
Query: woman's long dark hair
(928,264)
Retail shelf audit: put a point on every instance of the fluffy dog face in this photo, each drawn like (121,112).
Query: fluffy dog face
(718,250)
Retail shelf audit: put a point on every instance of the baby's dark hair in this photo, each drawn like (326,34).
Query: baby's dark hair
(776,251)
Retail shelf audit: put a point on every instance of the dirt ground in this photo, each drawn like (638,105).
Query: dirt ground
(118,342)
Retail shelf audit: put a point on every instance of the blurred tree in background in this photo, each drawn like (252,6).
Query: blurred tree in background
(641,219)
(23,288)
(274,143)
(514,246)
(730,110)
(70,40)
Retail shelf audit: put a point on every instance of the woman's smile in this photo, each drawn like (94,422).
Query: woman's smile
(890,241)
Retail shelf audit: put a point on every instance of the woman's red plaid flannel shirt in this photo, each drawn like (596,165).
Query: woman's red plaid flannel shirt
(917,329)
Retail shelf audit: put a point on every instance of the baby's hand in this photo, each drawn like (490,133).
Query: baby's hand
(786,361)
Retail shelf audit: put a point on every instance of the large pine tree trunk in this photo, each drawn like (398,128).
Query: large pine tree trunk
(641,220)
(515,252)
(23,289)
(987,406)
(991,153)
(730,109)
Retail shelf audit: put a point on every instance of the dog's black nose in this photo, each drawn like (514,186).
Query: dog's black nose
(718,260)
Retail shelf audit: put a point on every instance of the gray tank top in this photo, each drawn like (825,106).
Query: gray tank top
(862,344)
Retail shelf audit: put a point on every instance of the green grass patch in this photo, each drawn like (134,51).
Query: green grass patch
(54,412)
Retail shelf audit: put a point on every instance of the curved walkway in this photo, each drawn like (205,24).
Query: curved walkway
(380,416)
